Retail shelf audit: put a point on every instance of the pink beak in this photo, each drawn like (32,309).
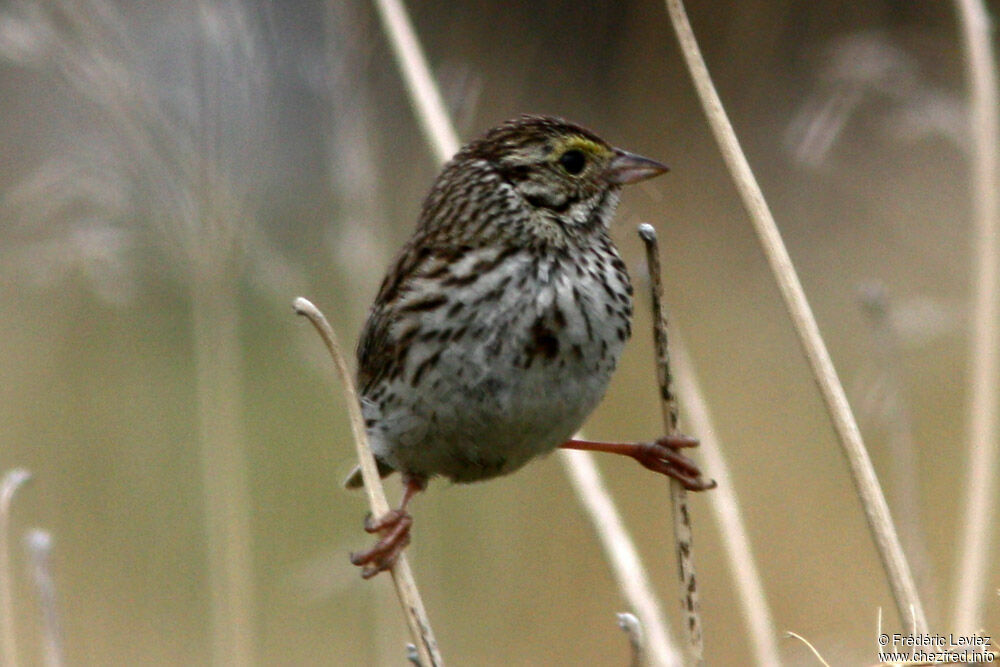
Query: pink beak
(626,168)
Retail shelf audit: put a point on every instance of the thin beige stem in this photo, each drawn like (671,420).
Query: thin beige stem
(870,493)
(13,480)
(809,645)
(681,515)
(726,507)
(424,93)
(402,576)
(632,627)
(619,548)
(978,514)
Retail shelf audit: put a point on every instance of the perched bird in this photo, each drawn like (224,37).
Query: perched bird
(500,322)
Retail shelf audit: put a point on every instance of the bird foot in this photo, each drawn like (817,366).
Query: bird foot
(394,528)
(664,456)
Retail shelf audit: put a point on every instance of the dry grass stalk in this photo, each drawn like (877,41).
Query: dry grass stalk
(406,587)
(681,514)
(631,626)
(863,473)
(428,105)
(809,645)
(978,514)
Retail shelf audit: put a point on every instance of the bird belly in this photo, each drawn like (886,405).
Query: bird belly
(522,378)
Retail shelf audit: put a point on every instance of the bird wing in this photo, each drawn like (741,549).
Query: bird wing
(381,348)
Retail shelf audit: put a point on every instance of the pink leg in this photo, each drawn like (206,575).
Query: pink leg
(662,456)
(394,529)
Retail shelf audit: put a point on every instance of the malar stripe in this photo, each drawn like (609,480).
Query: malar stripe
(540,201)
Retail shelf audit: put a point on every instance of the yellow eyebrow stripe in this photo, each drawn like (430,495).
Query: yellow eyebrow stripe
(583,144)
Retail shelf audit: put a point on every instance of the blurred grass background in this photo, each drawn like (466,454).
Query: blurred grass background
(272,142)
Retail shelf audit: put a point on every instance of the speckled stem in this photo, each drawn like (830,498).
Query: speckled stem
(678,494)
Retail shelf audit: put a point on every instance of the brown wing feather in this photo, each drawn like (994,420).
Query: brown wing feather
(440,241)
(379,350)
(375,349)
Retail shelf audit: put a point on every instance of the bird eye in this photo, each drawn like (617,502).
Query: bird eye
(573,161)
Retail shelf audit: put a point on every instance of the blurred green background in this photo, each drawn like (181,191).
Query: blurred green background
(173,174)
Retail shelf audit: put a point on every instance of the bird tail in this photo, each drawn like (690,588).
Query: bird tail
(355,481)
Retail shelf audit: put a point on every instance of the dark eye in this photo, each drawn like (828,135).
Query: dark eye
(573,161)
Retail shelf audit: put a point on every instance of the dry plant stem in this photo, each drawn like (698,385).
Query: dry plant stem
(633,628)
(38,544)
(402,576)
(620,549)
(726,507)
(424,94)
(876,509)
(579,466)
(678,494)
(978,514)
(809,646)
(12,482)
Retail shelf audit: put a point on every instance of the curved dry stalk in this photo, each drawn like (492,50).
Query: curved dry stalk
(631,626)
(12,481)
(406,587)
(809,645)
(977,516)
(681,515)
(863,473)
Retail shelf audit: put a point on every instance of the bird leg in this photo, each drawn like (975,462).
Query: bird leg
(394,530)
(662,456)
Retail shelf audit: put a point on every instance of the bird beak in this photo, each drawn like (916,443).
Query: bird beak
(626,168)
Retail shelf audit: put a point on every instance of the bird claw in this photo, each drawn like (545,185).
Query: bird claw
(387,520)
(663,456)
(394,528)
